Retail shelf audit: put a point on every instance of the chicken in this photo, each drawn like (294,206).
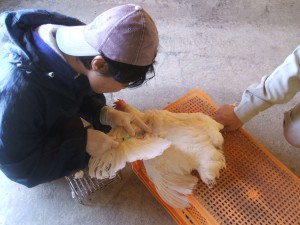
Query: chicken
(179,144)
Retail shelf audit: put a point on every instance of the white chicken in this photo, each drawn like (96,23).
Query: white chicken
(179,143)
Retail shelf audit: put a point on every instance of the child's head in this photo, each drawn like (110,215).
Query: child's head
(127,74)
(125,37)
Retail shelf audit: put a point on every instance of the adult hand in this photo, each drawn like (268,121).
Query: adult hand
(98,143)
(112,117)
(226,116)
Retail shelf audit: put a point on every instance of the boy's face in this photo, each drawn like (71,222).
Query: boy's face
(100,79)
(104,84)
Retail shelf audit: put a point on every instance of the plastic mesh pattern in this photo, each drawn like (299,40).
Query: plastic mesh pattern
(255,188)
(196,215)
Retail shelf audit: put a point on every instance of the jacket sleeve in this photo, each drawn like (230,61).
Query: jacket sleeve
(277,88)
(31,151)
(90,109)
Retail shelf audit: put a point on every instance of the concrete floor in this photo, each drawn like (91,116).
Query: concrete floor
(219,46)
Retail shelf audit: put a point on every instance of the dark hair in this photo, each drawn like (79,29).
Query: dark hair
(124,73)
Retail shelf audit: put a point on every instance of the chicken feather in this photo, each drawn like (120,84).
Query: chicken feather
(178,144)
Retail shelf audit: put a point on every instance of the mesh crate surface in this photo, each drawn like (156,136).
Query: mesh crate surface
(255,188)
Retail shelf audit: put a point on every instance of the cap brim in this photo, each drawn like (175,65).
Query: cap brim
(71,41)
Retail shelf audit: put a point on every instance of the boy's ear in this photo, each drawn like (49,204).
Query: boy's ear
(98,62)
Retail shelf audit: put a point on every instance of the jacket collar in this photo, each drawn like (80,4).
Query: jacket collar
(16,27)
(53,63)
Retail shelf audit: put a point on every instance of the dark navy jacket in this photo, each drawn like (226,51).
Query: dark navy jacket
(40,101)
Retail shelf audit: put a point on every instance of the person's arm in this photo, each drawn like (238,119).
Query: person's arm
(33,150)
(98,114)
(277,88)
(226,116)
(90,109)
(30,155)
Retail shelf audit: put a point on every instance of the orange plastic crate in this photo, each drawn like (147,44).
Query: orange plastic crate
(255,188)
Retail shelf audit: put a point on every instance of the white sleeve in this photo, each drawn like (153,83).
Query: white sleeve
(277,88)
